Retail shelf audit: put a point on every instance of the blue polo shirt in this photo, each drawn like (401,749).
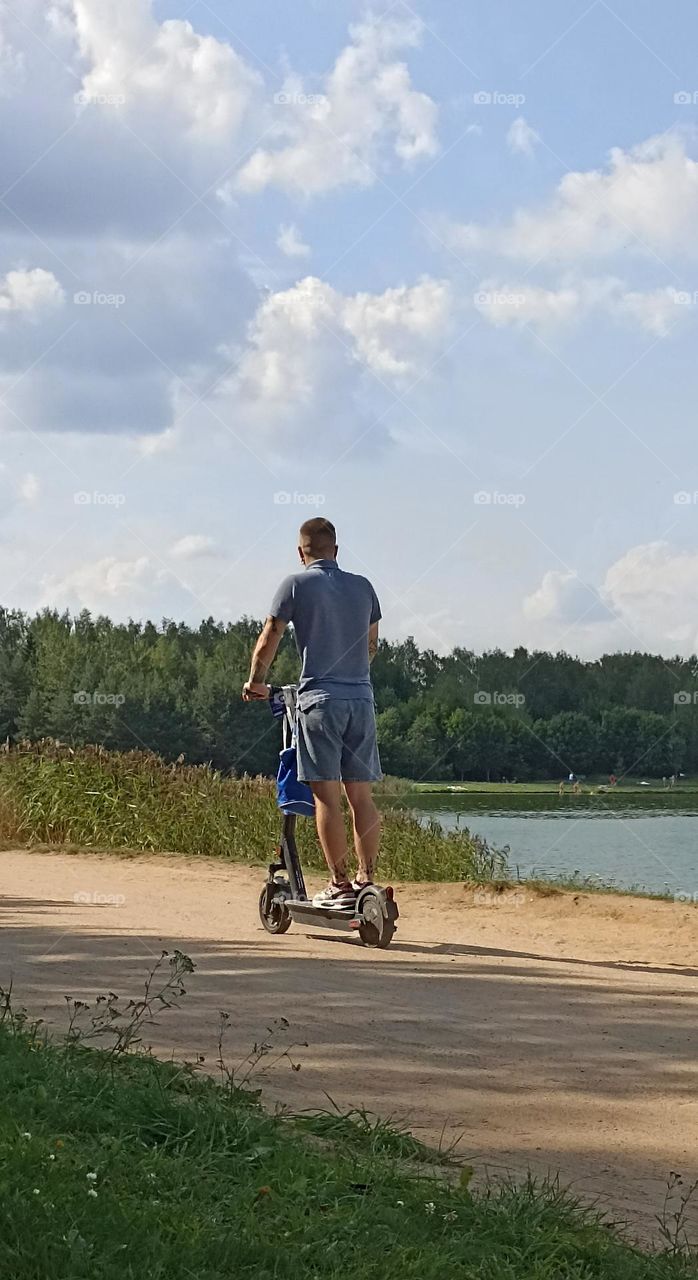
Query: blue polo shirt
(331,612)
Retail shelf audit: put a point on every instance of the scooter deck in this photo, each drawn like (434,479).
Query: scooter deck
(303,909)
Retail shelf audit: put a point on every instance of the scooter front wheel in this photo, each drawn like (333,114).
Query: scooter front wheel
(274,914)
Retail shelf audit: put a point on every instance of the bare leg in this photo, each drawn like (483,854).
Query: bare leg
(329,820)
(367,827)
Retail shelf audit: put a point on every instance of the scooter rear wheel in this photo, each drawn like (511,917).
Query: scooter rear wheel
(275,915)
(376,929)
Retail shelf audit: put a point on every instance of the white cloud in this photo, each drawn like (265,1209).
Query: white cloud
(12,67)
(93,585)
(29,488)
(289,242)
(521,137)
(656,310)
(194,81)
(655,589)
(367,109)
(647,196)
(30,291)
(393,329)
(522,303)
(158,442)
(563,597)
(192,546)
(648,599)
(309,345)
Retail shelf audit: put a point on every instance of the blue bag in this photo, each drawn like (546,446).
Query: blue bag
(292,795)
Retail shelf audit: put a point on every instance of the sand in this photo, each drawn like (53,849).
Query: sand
(551,1034)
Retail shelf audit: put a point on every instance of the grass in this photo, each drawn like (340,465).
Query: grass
(547,786)
(119,1167)
(95,799)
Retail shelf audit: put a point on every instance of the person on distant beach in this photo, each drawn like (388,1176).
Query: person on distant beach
(561,788)
(612,779)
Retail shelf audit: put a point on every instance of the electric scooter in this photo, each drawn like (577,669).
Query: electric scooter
(284,897)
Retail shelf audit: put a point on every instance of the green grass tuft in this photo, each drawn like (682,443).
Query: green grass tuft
(125,1168)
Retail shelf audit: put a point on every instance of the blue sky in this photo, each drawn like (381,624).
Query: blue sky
(430,270)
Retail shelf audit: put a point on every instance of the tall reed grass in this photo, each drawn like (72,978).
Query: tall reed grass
(93,798)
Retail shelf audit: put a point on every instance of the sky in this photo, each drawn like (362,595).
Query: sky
(429,269)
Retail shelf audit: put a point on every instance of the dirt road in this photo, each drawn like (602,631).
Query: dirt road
(552,1033)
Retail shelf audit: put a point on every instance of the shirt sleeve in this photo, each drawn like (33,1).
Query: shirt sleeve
(282,604)
(376,614)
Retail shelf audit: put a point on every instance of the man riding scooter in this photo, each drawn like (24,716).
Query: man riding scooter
(335,618)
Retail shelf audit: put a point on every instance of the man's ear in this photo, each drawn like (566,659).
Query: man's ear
(300,553)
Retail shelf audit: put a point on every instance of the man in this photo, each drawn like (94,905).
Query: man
(335,619)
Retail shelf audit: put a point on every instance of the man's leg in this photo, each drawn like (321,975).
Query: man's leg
(330,827)
(367,827)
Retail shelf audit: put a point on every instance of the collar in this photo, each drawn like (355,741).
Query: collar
(323,564)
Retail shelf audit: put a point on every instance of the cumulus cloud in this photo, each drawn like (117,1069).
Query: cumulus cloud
(136,116)
(192,546)
(289,242)
(563,597)
(94,584)
(29,488)
(521,137)
(365,112)
(198,83)
(646,197)
(310,345)
(523,303)
(648,598)
(30,291)
(655,588)
(12,67)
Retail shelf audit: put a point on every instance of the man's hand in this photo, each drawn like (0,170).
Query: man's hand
(253,692)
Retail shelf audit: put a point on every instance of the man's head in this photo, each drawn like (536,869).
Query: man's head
(317,540)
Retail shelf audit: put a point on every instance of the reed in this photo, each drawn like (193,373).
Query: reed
(97,799)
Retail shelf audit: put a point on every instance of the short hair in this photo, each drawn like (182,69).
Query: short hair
(318,537)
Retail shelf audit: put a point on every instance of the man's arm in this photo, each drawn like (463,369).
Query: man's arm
(372,641)
(264,653)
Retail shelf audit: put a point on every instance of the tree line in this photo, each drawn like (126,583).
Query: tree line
(175,689)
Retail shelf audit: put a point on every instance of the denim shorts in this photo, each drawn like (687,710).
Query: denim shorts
(337,740)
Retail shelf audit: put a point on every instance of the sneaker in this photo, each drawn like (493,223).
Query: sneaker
(358,885)
(340,896)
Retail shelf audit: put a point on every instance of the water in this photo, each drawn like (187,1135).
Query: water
(634,842)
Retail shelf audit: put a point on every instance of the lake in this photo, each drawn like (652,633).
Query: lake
(634,842)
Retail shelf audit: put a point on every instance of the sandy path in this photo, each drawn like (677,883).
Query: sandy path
(554,1033)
